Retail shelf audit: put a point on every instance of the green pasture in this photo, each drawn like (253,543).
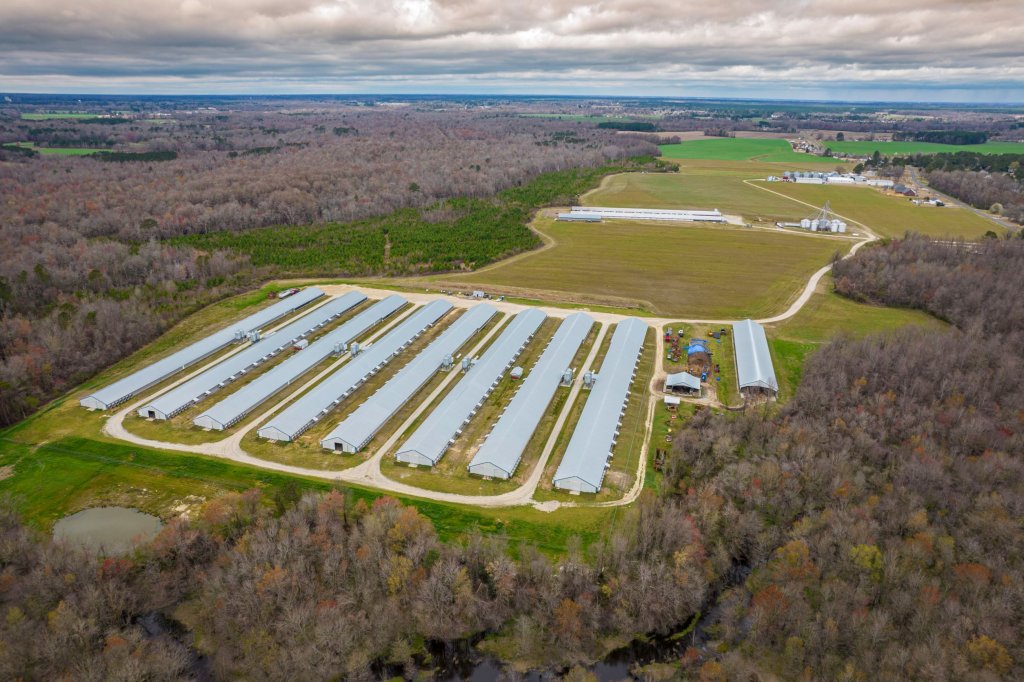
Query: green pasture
(741,149)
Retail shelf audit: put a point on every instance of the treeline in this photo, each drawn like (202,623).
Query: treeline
(324,589)
(123,157)
(1011,164)
(942,136)
(451,234)
(999,194)
(633,126)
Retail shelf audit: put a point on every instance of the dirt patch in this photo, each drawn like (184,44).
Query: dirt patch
(6,471)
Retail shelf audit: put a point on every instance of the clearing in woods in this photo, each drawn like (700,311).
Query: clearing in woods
(667,268)
(888,214)
(60,151)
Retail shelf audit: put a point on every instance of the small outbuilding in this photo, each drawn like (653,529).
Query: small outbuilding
(682,382)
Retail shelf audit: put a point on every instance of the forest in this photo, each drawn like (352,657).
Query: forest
(869,529)
(104,253)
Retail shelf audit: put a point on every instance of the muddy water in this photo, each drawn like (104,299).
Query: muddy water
(110,530)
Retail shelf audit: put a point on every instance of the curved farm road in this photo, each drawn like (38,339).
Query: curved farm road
(369,473)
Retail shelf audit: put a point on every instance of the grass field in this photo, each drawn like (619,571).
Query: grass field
(741,149)
(890,215)
(53,115)
(70,474)
(669,269)
(61,151)
(825,316)
(890,148)
(700,186)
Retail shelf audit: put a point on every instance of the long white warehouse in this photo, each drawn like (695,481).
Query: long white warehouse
(428,443)
(503,448)
(352,434)
(606,213)
(123,389)
(307,410)
(586,457)
(232,408)
(198,387)
(754,367)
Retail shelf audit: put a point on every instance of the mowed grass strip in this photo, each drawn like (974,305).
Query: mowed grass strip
(887,214)
(669,269)
(887,148)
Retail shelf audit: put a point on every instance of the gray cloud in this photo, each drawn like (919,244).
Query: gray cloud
(959,50)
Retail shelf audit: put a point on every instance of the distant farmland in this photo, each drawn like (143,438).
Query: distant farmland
(56,115)
(890,148)
(741,149)
(60,151)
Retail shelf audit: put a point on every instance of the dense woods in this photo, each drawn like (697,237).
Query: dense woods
(91,269)
(943,136)
(869,529)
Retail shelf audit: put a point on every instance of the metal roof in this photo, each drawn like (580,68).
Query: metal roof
(753,360)
(713,216)
(428,443)
(307,410)
(358,428)
(684,379)
(237,405)
(501,451)
(198,387)
(583,464)
(125,388)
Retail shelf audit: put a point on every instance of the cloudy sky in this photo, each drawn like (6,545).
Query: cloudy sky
(937,50)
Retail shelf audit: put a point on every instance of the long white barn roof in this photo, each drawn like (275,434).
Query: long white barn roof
(713,216)
(753,360)
(583,464)
(359,427)
(125,388)
(307,410)
(178,398)
(237,405)
(504,446)
(428,443)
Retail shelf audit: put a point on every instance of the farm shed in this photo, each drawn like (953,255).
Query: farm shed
(682,381)
(589,452)
(754,367)
(504,446)
(356,430)
(125,388)
(307,410)
(443,425)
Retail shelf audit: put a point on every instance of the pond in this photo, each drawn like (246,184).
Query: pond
(111,530)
